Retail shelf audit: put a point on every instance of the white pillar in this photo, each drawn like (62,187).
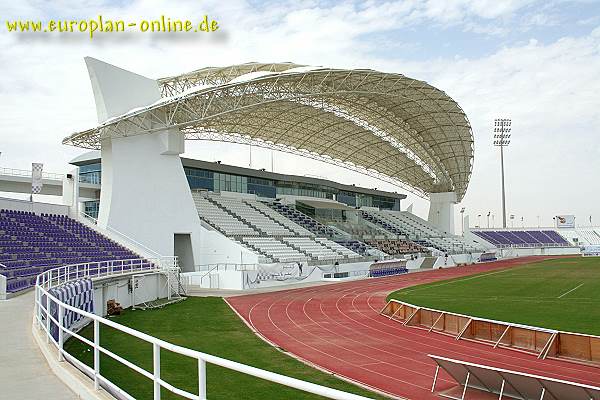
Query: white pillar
(68,188)
(76,185)
(2,287)
(144,191)
(441,211)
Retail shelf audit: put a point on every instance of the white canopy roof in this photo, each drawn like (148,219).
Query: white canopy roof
(385,125)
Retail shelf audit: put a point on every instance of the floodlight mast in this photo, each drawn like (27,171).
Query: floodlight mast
(502,139)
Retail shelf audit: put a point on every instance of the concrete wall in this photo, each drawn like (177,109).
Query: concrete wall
(2,287)
(441,211)
(415,264)
(150,287)
(145,194)
(215,248)
(248,279)
(51,187)
(22,184)
(470,236)
(24,205)
(538,251)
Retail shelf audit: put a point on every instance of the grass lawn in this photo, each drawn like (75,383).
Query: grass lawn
(210,326)
(561,294)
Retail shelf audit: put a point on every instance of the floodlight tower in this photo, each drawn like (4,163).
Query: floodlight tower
(502,139)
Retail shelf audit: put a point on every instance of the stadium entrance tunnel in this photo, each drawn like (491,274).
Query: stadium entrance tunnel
(183,251)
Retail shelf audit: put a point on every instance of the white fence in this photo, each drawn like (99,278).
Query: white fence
(44,319)
(26,173)
(225,267)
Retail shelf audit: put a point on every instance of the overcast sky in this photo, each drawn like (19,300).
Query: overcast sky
(537,62)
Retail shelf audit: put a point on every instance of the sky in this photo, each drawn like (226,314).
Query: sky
(536,62)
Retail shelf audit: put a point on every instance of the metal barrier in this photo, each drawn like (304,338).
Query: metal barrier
(45,302)
(576,347)
(482,381)
(225,267)
(26,173)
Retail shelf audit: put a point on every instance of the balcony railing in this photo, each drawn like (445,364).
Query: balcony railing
(26,173)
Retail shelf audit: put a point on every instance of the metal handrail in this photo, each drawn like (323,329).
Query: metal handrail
(44,319)
(208,273)
(124,236)
(225,267)
(97,269)
(26,173)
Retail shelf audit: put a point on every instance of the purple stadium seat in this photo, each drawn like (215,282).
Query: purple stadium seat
(529,238)
(31,244)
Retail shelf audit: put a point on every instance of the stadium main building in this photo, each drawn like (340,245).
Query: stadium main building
(387,126)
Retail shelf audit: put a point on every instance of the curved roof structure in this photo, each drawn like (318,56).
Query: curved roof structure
(385,125)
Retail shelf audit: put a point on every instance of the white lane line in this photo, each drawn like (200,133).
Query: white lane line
(566,293)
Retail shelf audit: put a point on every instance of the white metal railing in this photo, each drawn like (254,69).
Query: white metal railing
(44,320)
(26,173)
(98,269)
(130,240)
(92,178)
(88,217)
(225,267)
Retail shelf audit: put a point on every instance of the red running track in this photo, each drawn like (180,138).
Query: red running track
(338,328)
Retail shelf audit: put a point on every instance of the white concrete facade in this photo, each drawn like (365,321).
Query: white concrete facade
(145,194)
(151,286)
(441,211)
(35,206)
(2,287)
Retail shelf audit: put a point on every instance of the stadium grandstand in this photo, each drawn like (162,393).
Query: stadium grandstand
(140,227)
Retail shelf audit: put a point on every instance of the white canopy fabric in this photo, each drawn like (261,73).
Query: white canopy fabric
(385,125)
(514,384)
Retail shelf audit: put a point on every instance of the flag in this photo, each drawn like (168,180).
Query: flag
(36,177)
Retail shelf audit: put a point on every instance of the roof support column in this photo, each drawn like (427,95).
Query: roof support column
(441,211)
(145,196)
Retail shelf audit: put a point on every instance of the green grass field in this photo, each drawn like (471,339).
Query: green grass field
(210,326)
(561,294)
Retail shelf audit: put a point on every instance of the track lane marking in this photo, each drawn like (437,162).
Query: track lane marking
(364,293)
(277,297)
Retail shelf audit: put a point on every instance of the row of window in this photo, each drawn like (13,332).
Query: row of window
(90,173)
(91,208)
(91,177)
(303,192)
(216,182)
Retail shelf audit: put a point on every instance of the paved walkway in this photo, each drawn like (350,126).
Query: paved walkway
(24,373)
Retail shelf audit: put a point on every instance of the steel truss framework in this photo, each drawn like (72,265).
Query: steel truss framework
(385,125)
